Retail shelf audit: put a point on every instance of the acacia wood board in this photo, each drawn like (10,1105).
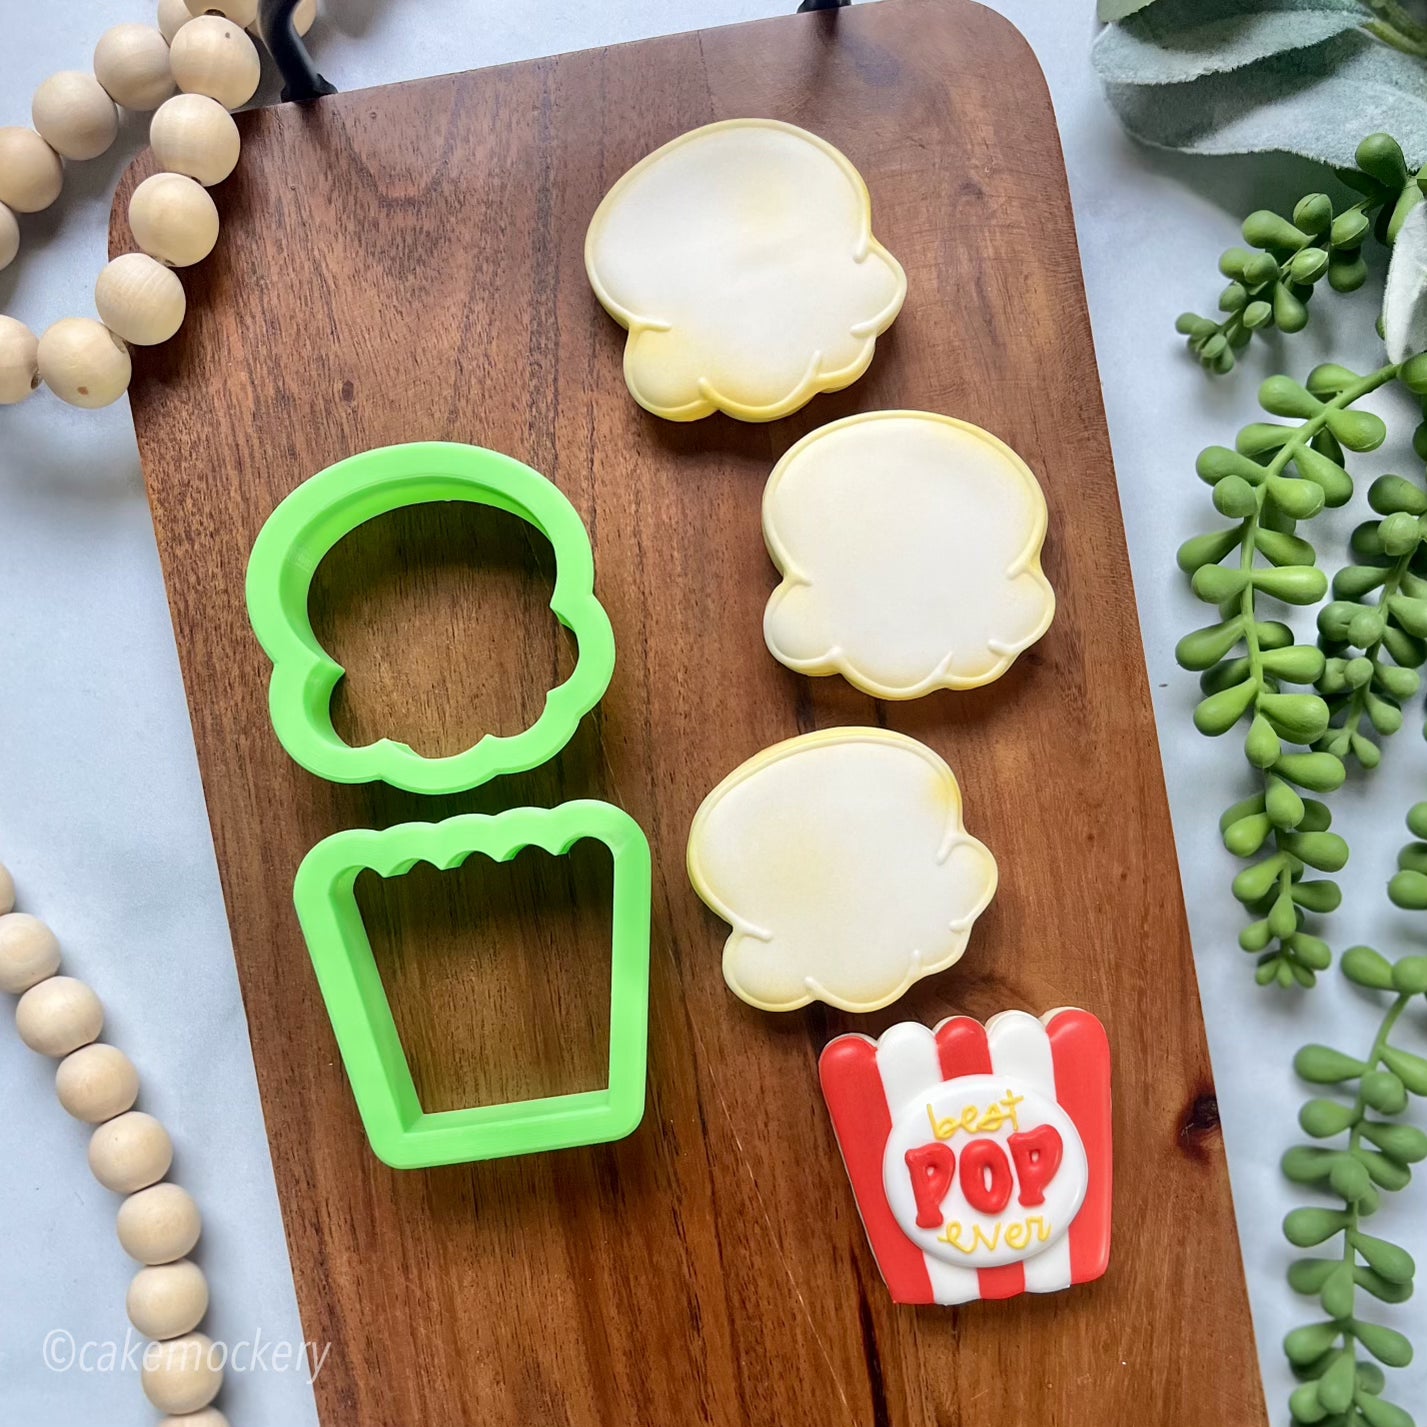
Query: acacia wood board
(405,263)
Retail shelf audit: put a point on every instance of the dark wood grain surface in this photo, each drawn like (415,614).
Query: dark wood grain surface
(405,263)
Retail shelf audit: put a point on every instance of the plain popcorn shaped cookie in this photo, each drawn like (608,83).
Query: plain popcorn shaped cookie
(841,862)
(909,545)
(740,256)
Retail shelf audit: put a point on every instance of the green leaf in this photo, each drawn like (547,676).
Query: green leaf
(1365,967)
(1384,1092)
(1311,101)
(1314,466)
(1254,882)
(1184,39)
(1378,1413)
(1311,1341)
(1387,1345)
(1404,303)
(1393,1263)
(1337,1293)
(1404,1143)
(1322,1065)
(1384,1290)
(1300,718)
(1208,549)
(1325,1118)
(1308,1164)
(1319,896)
(1215,584)
(1410,1069)
(1304,1406)
(1220,712)
(1324,851)
(1309,1275)
(1409,891)
(1203,648)
(1384,1171)
(1409,975)
(1281,548)
(1321,772)
(1295,584)
(1335,1387)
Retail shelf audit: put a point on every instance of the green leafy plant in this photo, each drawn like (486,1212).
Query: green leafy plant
(1255,76)
(1340,1357)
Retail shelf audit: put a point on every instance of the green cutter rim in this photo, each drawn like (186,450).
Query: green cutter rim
(401,1133)
(309,522)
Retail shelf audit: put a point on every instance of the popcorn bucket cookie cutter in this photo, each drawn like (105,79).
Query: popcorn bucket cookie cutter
(401,1133)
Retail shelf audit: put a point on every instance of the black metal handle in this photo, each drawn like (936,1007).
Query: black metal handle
(300,80)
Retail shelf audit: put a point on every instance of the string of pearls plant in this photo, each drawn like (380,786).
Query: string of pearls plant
(200,48)
(131,1153)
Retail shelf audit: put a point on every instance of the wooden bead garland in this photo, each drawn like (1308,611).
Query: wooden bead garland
(139,299)
(202,48)
(83,362)
(173,219)
(195,135)
(58,1015)
(167,1300)
(97,1082)
(159,1224)
(213,56)
(129,1152)
(131,62)
(72,113)
(183,1374)
(31,174)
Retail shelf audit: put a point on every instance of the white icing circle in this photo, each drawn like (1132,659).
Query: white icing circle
(982,1237)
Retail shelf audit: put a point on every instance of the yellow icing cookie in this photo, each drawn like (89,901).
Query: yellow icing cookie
(840,860)
(740,256)
(909,545)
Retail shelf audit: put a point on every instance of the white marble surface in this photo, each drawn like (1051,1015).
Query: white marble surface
(102,817)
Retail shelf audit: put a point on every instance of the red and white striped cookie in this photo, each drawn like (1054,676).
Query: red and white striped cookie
(979,1155)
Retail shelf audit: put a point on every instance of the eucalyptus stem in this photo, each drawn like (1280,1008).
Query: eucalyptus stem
(1409,34)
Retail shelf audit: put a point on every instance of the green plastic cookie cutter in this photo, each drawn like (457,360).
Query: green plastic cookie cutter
(333,503)
(400,1132)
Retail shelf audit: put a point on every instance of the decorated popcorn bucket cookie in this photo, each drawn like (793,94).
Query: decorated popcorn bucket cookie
(979,1155)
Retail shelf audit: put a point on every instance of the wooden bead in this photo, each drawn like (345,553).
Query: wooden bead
(213,56)
(73,115)
(140,299)
(131,62)
(96,1083)
(7,891)
(29,951)
(167,1300)
(130,1152)
(240,12)
(209,1417)
(195,135)
(9,236)
(173,15)
(159,1224)
(31,174)
(19,361)
(58,1015)
(173,219)
(83,362)
(182,1374)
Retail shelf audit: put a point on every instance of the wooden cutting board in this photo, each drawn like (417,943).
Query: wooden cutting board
(405,263)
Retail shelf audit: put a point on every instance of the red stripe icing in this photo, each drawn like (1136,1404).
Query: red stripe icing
(1080,1052)
(962,1046)
(862,1122)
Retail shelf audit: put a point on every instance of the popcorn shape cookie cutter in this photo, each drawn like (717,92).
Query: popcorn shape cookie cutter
(980,1156)
(401,1133)
(310,521)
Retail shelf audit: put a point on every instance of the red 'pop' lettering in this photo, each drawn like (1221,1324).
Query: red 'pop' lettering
(1037,1154)
(986,1176)
(931,1168)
